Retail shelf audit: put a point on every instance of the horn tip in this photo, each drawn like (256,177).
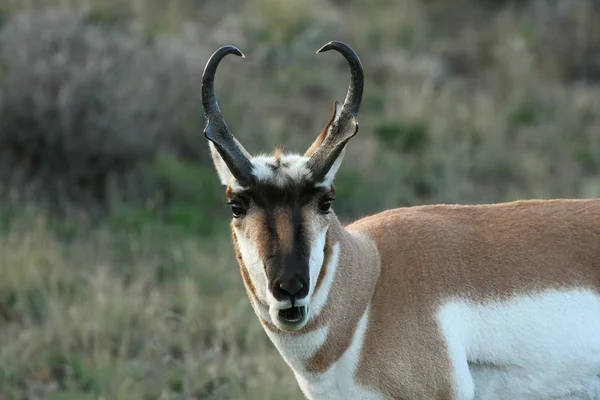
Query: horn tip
(333,45)
(325,48)
(238,52)
(230,49)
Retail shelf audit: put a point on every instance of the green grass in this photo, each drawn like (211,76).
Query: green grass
(107,313)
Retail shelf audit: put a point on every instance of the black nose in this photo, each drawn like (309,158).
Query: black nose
(289,288)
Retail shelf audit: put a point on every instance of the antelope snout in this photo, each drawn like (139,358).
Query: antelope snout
(292,288)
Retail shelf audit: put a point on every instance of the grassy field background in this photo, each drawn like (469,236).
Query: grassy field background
(117,275)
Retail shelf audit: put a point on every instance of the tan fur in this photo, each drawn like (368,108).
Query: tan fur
(482,252)
(285,234)
(343,314)
(429,253)
(253,227)
(277,156)
(404,262)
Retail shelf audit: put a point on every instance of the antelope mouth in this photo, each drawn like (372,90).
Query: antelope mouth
(293,316)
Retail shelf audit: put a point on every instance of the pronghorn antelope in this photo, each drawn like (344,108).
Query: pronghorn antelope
(457,302)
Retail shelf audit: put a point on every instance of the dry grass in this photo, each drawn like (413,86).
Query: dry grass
(466,101)
(105,313)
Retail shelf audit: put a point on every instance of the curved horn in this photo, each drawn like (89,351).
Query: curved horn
(216,129)
(355,90)
(345,124)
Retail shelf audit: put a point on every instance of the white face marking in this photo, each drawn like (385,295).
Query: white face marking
(254,265)
(319,298)
(315,301)
(535,347)
(292,169)
(316,258)
(256,271)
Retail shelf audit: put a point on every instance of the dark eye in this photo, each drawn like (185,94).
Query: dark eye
(325,206)
(237,209)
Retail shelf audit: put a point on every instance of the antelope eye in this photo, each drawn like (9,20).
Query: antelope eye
(237,209)
(325,206)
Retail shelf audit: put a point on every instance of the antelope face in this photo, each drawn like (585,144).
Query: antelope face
(280,224)
(281,204)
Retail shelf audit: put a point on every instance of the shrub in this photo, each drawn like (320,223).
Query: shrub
(85,107)
(409,136)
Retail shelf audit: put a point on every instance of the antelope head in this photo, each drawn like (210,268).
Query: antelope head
(281,203)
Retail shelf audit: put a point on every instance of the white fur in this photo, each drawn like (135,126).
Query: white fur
(532,347)
(256,271)
(338,382)
(225,175)
(292,169)
(223,171)
(296,349)
(319,298)
(254,265)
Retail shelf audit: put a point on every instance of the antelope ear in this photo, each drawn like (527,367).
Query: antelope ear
(225,175)
(337,108)
(328,180)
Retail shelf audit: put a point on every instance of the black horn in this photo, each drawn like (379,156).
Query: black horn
(355,90)
(216,129)
(345,126)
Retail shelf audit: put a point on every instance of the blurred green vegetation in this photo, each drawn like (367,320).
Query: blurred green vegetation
(117,276)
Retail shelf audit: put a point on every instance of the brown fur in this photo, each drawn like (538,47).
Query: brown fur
(268,222)
(277,155)
(485,252)
(404,263)
(285,230)
(313,147)
(351,300)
